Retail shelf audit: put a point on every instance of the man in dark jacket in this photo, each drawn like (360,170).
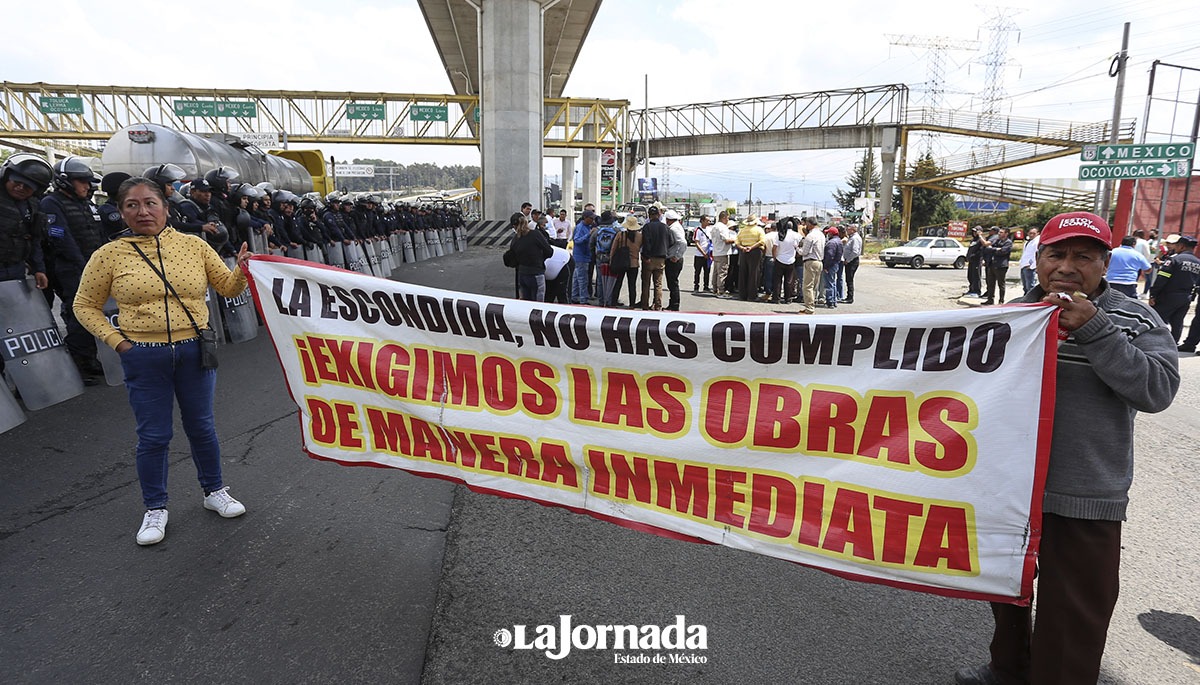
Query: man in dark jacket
(995,264)
(656,238)
(1176,281)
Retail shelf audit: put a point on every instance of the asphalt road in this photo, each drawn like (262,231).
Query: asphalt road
(370,575)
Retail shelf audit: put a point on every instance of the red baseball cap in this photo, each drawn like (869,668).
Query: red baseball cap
(1076,225)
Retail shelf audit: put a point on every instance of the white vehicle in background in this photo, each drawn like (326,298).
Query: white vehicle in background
(929,251)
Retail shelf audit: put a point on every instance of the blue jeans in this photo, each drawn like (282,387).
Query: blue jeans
(533,287)
(831,284)
(155,377)
(579,287)
(1028,278)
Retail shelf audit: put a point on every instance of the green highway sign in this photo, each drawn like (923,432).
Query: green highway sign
(429,113)
(1134,153)
(215,108)
(1180,168)
(63,105)
(366,110)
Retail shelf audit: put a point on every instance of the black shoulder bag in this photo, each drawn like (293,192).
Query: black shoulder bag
(208,337)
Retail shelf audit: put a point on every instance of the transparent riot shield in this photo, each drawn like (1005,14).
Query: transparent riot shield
(337,256)
(434,241)
(406,246)
(354,258)
(11,414)
(241,324)
(32,348)
(258,243)
(372,256)
(110,361)
(420,249)
(314,254)
(385,258)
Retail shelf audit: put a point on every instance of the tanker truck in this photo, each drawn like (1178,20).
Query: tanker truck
(138,146)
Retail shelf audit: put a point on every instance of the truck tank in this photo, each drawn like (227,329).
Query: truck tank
(138,146)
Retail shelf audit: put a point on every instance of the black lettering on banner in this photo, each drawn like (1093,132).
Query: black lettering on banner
(988,345)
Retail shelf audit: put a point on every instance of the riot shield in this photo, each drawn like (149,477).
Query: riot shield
(258,243)
(406,246)
(420,249)
(240,321)
(32,348)
(278,252)
(397,252)
(110,361)
(11,415)
(460,237)
(354,258)
(337,256)
(434,241)
(313,254)
(385,258)
(372,256)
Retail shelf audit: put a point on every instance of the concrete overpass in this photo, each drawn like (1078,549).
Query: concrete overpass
(513,54)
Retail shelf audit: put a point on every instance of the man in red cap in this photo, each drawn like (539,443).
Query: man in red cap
(1117,360)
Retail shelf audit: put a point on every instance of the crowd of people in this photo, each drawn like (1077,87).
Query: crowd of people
(780,262)
(52,226)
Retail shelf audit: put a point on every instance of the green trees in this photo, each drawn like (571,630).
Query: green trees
(864,179)
(929,206)
(391,175)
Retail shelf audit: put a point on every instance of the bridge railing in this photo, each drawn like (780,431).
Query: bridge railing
(849,107)
(81,112)
(1069,132)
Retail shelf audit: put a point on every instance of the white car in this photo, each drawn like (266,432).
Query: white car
(926,251)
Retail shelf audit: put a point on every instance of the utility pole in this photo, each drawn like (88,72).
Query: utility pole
(1119,66)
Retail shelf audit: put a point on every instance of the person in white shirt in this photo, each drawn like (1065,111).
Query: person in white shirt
(702,242)
(562,226)
(787,246)
(1028,263)
(768,265)
(722,239)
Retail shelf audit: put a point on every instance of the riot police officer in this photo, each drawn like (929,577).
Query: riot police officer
(1177,279)
(74,232)
(110,214)
(226,207)
(22,224)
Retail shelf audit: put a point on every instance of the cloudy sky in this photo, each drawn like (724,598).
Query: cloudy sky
(1057,61)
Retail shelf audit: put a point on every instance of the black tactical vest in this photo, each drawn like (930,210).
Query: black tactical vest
(83,220)
(18,229)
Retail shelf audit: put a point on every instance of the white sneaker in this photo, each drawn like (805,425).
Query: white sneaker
(221,502)
(154,527)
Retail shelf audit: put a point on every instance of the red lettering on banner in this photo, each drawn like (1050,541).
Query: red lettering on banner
(626,400)
(544,461)
(831,413)
(729,497)
(772,506)
(334,423)
(778,423)
(933,416)
(946,537)
(897,517)
(850,524)
(886,429)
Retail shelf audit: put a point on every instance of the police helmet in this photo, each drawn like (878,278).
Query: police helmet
(247,190)
(112,182)
(375,199)
(266,187)
(165,174)
(29,169)
(72,169)
(308,203)
(221,177)
(335,196)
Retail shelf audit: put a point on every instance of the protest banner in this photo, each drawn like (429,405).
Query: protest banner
(905,449)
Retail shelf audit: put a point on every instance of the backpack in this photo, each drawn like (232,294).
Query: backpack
(604,240)
(620,260)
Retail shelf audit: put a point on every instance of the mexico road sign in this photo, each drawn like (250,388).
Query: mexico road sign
(1179,168)
(215,108)
(1133,153)
(429,113)
(366,110)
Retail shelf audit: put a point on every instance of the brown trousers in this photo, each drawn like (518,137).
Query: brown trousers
(1078,582)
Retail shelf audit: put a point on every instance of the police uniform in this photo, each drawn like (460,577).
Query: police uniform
(75,231)
(22,226)
(1174,285)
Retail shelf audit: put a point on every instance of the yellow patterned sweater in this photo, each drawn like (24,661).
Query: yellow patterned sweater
(148,311)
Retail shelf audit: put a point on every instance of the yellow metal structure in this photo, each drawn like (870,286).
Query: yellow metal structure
(35,111)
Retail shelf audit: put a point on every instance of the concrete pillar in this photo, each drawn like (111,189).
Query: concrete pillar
(568,186)
(510,59)
(591,177)
(887,175)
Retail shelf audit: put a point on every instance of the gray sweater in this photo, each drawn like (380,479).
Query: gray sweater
(1120,362)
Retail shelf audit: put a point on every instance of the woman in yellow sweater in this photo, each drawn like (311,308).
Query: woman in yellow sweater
(158,343)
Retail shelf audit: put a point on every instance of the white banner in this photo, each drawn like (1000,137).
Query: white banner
(906,449)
